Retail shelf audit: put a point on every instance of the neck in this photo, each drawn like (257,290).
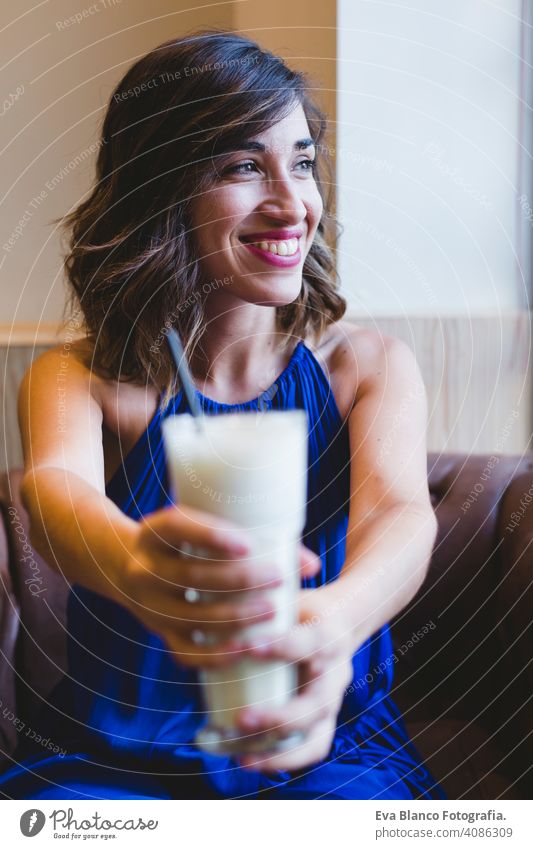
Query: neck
(242,352)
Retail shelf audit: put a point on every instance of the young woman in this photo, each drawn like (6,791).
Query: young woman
(210,213)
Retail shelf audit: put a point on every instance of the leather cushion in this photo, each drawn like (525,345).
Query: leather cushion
(463,758)
(41,652)
(9,623)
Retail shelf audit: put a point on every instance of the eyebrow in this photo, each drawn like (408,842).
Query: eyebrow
(301,144)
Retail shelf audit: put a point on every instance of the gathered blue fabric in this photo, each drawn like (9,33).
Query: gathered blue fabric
(127,713)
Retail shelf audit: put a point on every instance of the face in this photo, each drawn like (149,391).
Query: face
(256,223)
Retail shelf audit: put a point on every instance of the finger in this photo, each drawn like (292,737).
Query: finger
(310,563)
(186,616)
(176,524)
(223,614)
(227,577)
(296,646)
(313,749)
(298,714)
(196,633)
(320,693)
(202,572)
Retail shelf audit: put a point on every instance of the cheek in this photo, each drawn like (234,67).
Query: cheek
(210,224)
(315,206)
(226,206)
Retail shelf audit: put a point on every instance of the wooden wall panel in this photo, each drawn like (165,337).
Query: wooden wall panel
(14,361)
(477,375)
(476,371)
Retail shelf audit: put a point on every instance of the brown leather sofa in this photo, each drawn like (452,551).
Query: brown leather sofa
(463,676)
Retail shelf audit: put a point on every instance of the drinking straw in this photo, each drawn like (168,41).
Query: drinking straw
(178,355)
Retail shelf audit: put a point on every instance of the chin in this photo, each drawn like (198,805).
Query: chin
(273,302)
(277,295)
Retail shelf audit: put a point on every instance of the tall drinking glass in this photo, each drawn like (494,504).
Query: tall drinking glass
(249,468)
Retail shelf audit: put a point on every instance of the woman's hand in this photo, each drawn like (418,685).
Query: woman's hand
(322,645)
(160,576)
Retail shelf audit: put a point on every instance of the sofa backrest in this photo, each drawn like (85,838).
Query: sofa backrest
(9,623)
(33,625)
(478,652)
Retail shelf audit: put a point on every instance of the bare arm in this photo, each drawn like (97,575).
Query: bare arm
(83,534)
(389,540)
(73,525)
(392,526)
(76,530)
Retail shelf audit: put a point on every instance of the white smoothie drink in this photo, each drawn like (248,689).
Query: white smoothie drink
(249,468)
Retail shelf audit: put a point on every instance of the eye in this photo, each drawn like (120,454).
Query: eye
(310,163)
(249,167)
(242,168)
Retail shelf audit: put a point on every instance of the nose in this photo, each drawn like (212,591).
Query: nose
(283,201)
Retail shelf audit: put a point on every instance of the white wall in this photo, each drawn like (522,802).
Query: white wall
(428,157)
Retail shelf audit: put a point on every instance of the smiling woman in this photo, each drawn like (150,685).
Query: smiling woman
(171,151)
(216,178)
(277,184)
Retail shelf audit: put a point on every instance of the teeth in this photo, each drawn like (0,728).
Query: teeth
(281,248)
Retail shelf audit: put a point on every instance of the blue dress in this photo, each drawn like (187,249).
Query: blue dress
(126,713)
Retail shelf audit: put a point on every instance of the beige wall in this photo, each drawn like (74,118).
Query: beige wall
(305,35)
(68,75)
(476,372)
(63,76)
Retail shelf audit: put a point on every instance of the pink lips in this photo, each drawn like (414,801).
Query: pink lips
(267,256)
(273,235)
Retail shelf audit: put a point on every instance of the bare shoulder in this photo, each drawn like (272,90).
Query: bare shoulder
(126,407)
(78,416)
(65,368)
(356,358)
(60,415)
(60,363)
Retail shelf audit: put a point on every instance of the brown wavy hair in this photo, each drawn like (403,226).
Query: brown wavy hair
(131,264)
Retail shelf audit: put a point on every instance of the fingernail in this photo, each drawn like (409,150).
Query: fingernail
(273,580)
(259,648)
(257,608)
(234,648)
(237,544)
(249,721)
